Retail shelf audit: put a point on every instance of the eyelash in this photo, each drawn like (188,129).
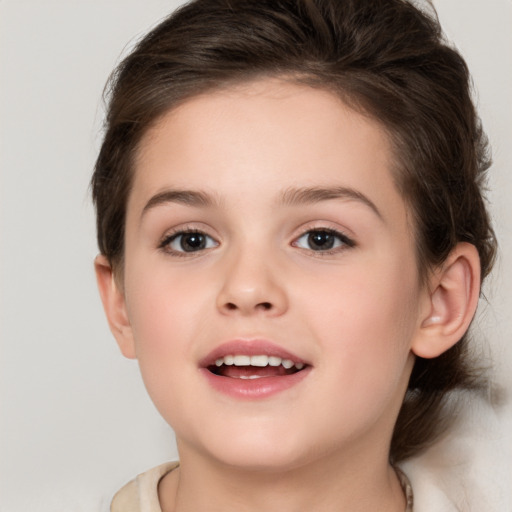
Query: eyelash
(344,242)
(165,244)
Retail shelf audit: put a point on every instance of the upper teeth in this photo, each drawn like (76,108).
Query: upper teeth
(259,360)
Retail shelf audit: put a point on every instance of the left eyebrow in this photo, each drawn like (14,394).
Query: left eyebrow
(306,195)
(186,197)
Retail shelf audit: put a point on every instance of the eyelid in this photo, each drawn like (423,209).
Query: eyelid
(347,242)
(173,234)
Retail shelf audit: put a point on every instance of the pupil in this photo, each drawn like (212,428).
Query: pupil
(193,242)
(321,240)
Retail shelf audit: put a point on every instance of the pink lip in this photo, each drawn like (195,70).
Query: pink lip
(248,348)
(252,389)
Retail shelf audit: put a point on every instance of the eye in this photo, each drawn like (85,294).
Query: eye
(188,241)
(323,240)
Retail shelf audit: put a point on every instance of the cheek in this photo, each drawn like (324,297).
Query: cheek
(366,318)
(158,315)
(168,311)
(161,332)
(366,336)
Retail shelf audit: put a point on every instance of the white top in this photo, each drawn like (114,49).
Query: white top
(141,494)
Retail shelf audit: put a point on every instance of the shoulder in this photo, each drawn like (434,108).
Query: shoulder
(141,494)
(469,469)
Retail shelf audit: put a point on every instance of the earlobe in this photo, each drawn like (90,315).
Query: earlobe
(114,305)
(453,298)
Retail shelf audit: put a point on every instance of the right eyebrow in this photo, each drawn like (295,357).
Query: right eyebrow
(186,197)
(301,196)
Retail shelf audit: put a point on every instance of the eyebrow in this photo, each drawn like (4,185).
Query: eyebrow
(307,195)
(290,197)
(186,197)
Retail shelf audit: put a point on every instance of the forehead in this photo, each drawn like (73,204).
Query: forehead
(247,144)
(271,121)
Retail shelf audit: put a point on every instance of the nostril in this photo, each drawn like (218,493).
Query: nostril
(246,308)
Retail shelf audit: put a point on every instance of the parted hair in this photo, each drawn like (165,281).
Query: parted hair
(387,59)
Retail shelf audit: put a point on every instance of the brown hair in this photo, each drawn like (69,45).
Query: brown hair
(385,58)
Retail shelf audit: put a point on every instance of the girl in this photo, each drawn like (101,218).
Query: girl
(293,238)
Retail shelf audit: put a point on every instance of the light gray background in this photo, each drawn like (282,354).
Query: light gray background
(75,422)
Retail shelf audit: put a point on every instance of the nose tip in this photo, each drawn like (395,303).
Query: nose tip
(251,286)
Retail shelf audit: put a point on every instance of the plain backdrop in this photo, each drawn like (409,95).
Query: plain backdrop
(75,421)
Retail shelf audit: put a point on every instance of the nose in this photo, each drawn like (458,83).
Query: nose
(251,285)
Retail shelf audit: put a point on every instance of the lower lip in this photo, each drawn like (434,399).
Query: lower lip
(254,389)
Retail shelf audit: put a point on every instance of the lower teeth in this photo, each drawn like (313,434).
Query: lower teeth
(247,377)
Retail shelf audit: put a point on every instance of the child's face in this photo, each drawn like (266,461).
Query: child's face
(266,217)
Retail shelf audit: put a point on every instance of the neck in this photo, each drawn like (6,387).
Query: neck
(328,484)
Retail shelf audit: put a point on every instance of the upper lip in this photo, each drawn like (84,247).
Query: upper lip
(246,347)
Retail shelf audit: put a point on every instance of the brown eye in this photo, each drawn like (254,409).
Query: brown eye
(319,240)
(189,241)
(192,242)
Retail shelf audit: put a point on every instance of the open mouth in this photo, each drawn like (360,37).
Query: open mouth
(254,366)
(253,369)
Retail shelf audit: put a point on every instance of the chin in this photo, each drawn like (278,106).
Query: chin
(259,451)
(262,461)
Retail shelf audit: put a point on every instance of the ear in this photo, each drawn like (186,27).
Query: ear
(114,305)
(453,295)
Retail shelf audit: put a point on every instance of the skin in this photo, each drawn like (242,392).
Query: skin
(357,313)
